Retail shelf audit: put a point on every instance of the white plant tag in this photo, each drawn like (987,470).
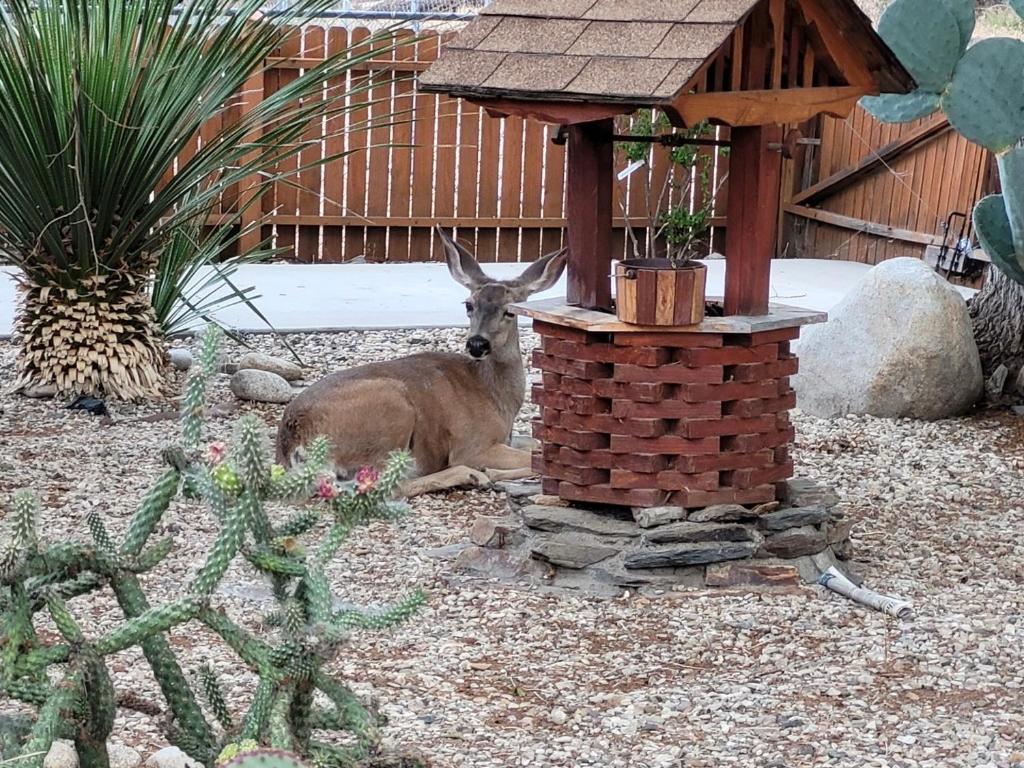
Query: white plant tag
(630,169)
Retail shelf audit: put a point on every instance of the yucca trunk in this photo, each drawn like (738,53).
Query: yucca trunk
(99,339)
(998,315)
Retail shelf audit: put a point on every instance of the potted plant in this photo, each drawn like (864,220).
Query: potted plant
(662,283)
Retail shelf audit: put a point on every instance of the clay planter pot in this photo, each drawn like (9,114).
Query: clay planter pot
(653,292)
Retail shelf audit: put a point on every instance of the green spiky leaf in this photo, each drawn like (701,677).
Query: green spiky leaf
(900,107)
(926,37)
(985,101)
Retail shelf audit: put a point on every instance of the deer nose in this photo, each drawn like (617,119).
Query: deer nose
(478,346)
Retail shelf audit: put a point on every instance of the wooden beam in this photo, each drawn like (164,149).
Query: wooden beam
(557,112)
(749,108)
(589,211)
(860,225)
(753,218)
(428,222)
(844,53)
(837,182)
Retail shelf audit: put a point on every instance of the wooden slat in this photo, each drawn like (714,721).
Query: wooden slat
(400,167)
(310,178)
(860,225)
(357,141)
(591,161)
(334,172)
(425,140)
(378,173)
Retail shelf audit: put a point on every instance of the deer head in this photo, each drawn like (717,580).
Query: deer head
(492,327)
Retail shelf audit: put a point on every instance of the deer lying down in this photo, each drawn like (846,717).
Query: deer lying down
(454,413)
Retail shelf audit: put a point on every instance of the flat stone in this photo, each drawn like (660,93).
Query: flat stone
(62,754)
(844,550)
(497,563)
(261,387)
(557,519)
(808,493)
(575,554)
(1018,409)
(615,573)
(448,552)
(721,513)
(676,555)
(171,757)
(259,361)
(795,542)
(764,509)
(751,575)
(549,501)
(519,489)
(696,532)
(649,518)
(792,517)
(181,358)
(496,532)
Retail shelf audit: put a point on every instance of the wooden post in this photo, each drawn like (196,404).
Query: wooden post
(754,199)
(589,212)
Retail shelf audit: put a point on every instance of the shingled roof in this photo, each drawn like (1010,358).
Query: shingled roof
(638,52)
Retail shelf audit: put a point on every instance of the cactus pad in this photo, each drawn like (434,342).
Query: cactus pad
(926,37)
(985,101)
(1011,173)
(994,233)
(900,107)
(1018,6)
(963,12)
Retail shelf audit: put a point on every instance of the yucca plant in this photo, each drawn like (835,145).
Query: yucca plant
(97,99)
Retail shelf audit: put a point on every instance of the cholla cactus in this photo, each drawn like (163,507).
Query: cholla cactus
(978,87)
(306,630)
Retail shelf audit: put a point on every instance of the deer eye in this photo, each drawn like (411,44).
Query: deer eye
(469,307)
(509,315)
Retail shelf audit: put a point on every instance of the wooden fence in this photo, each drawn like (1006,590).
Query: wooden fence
(873,192)
(501,183)
(866,192)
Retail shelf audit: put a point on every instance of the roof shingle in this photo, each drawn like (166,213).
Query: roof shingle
(609,38)
(518,34)
(640,10)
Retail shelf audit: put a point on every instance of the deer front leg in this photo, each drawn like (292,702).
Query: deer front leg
(502,462)
(445,480)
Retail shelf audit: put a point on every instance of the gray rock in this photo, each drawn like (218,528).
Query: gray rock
(519,489)
(1018,385)
(40,391)
(899,345)
(795,542)
(61,755)
(838,532)
(572,552)
(261,387)
(751,574)
(721,513)
(496,532)
(557,519)
(808,493)
(695,532)
(123,757)
(1018,410)
(258,361)
(675,555)
(495,563)
(995,385)
(181,358)
(649,518)
(614,572)
(793,517)
(524,442)
(171,757)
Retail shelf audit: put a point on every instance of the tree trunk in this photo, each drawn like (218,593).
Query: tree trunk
(102,339)
(998,315)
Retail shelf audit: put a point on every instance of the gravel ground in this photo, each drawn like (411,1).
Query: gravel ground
(492,675)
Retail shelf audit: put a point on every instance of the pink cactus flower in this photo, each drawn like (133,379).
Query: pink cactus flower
(366,479)
(215,453)
(326,489)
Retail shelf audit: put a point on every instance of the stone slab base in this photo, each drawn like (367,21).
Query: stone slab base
(775,544)
(640,419)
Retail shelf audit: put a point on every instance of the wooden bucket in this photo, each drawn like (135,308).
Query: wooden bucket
(653,292)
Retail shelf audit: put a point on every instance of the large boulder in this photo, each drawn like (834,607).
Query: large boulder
(899,345)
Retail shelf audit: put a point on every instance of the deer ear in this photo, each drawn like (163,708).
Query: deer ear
(542,274)
(461,264)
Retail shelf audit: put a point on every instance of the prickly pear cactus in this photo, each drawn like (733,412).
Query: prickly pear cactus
(69,682)
(980,89)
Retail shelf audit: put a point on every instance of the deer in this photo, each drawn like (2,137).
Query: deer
(452,412)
